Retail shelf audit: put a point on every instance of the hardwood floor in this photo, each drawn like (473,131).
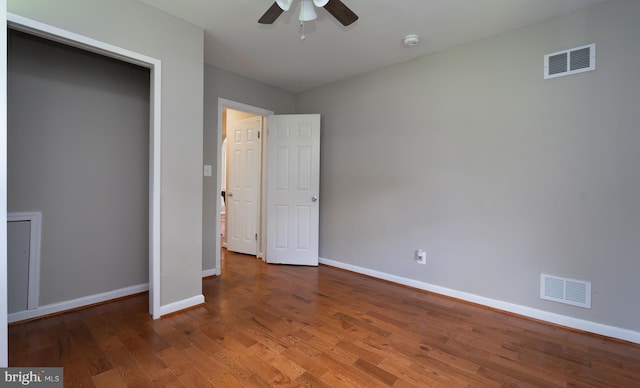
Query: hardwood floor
(266,325)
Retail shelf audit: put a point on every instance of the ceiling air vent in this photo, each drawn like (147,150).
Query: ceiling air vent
(563,290)
(577,60)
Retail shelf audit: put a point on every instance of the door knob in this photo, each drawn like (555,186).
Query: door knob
(314,198)
(230,194)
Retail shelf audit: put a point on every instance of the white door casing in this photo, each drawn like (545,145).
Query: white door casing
(293,186)
(4,340)
(243,187)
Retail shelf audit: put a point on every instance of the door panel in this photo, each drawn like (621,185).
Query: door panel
(243,187)
(293,185)
(18,256)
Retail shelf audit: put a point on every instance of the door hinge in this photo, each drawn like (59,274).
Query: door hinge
(258,134)
(256,236)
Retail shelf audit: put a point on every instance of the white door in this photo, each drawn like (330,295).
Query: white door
(243,187)
(293,185)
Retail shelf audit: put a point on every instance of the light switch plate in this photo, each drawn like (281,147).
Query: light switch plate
(208,170)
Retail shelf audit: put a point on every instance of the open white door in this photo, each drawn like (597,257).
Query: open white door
(293,187)
(243,187)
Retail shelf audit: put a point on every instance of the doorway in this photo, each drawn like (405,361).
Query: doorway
(289,189)
(242,149)
(154,66)
(238,111)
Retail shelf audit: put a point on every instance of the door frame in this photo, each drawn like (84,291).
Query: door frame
(222,105)
(155,96)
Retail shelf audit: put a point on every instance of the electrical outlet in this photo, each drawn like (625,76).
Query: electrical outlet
(421,256)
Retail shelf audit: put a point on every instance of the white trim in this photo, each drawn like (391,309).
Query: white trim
(209,272)
(76,303)
(69,38)
(563,320)
(155,175)
(35,221)
(181,304)
(155,65)
(222,104)
(4,340)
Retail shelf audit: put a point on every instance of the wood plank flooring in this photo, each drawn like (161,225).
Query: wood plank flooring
(266,325)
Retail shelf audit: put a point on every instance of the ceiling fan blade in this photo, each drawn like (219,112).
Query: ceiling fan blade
(271,15)
(341,12)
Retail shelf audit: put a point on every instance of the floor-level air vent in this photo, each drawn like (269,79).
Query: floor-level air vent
(577,60)
(563,290)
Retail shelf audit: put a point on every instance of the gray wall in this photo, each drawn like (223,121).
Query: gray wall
(78,142)
(179,45)
(221,83)
(499,174)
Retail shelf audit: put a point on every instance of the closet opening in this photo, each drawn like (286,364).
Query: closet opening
(105,175)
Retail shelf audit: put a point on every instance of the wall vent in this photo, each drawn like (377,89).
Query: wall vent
(563,290)
(573,61)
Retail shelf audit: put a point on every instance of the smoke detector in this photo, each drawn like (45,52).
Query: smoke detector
(411,40)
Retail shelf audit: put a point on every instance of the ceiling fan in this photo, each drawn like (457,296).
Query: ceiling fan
(307,12)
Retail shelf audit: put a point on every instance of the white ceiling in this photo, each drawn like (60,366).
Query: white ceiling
(275,55)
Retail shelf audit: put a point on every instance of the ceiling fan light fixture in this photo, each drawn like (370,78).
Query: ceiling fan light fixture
(336,8)
(307,11)
(284,4)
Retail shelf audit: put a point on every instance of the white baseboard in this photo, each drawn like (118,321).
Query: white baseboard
(563,320)
(209,272)
(181,305)
(76,303)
